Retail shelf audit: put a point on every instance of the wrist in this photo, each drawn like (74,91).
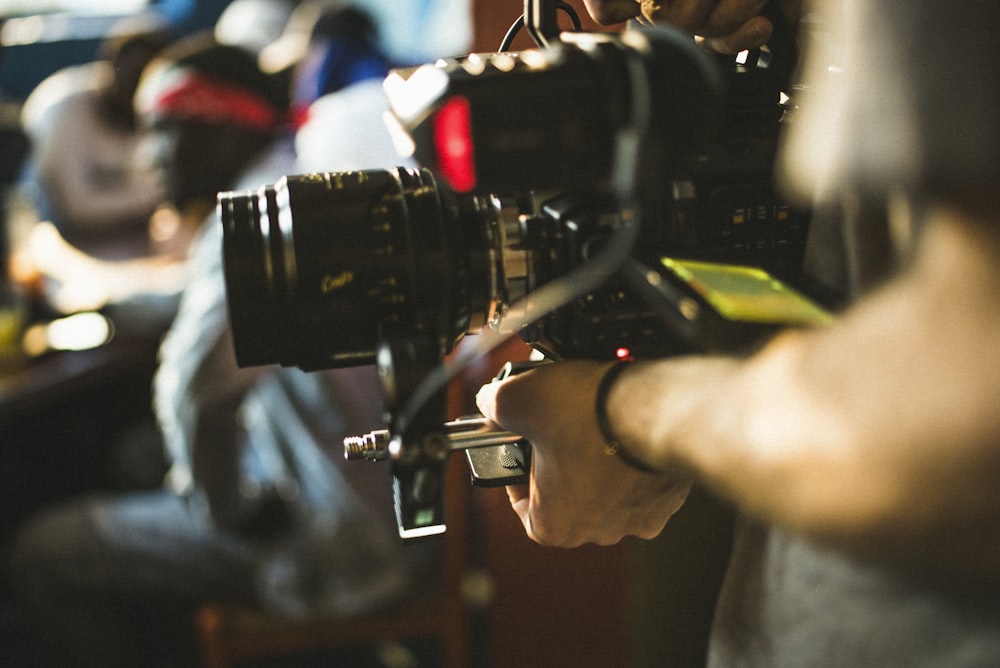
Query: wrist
(613,445)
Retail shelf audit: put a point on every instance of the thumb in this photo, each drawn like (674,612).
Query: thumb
(486,400)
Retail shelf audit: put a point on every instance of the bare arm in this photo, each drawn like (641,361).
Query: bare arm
(880,434)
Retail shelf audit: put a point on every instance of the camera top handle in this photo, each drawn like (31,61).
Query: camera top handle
(539,19)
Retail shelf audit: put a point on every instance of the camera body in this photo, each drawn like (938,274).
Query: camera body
(554,182)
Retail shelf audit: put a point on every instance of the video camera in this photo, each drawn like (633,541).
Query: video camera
(593,195)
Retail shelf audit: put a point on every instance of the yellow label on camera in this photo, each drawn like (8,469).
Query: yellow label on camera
(747,294)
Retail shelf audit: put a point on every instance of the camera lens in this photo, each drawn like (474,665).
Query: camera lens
(319,266)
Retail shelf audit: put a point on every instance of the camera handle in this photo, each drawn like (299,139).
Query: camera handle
(539,19)
(418,447)
(496,457)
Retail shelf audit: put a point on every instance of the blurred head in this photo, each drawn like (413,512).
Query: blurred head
(409,32)
(412,33)
(130,45)
(253,24)
(212,112)
(612,11)
(342,50)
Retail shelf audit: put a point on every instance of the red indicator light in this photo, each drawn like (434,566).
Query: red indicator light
(452,127)
(623,353)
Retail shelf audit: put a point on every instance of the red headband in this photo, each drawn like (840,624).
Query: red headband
(184,94)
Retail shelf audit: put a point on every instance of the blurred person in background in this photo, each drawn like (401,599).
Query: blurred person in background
(87,181)
(253,24)
(258,506)
(137,277)
(337,101)
(190,17)
(112,579)
(256,25)
(88,210)
(84,174)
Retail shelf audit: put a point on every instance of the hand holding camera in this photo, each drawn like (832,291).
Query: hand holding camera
(671,152)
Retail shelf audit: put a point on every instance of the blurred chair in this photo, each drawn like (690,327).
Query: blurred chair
(438,611)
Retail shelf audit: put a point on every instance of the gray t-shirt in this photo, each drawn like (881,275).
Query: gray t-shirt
(899,95)
(788,603)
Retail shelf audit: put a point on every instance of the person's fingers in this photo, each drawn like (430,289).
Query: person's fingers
(516,494)
(707,18)
(728,26)
(486,400)
(520,502)
(688,15)
(521,400)
(512,403)
(751,35)
(608,12)
(730,16)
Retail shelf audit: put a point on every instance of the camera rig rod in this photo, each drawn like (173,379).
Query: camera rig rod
(461,434)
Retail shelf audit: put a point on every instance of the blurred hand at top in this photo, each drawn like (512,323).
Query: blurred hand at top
(727,26)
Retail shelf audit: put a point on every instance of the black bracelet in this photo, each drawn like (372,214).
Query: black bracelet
(612,445)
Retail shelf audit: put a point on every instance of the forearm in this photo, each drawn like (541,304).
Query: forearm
(879,432)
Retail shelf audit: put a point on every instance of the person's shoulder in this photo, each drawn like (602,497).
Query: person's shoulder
(363,95)
(323,145)
(67,88)
(275,161)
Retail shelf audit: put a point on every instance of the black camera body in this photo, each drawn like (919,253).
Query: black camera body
(554,182)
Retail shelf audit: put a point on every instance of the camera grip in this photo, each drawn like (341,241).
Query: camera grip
(500,465)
